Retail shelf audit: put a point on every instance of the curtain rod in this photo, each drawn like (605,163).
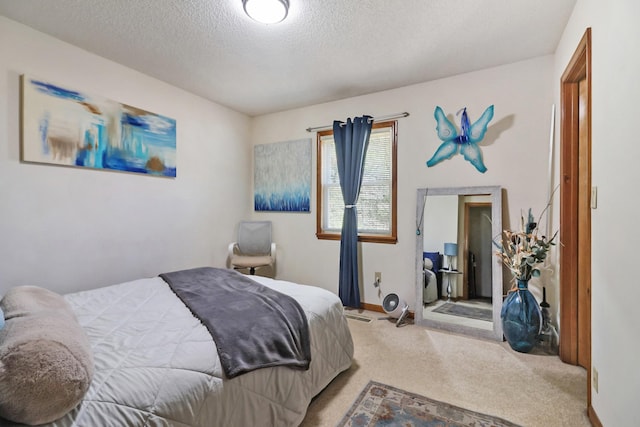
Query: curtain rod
(375,119)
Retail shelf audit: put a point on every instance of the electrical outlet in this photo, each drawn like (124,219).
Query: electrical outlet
(377,278)
(594,379)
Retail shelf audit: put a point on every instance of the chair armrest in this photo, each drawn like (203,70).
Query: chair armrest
(232,249)
(273,253)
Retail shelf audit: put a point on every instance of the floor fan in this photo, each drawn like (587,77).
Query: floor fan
(395,308)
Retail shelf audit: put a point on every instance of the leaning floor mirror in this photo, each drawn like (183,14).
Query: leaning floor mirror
(458,273)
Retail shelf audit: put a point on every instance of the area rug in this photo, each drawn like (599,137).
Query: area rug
(382,405)
(465,311)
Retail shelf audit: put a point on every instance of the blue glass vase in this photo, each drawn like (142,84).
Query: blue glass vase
(521,318)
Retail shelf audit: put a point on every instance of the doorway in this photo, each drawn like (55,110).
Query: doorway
(477,271)
(575,211)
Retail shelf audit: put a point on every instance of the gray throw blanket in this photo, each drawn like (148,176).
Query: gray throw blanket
(252,325)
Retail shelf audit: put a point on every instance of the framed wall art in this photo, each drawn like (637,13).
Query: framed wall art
(282,176)
(63,126)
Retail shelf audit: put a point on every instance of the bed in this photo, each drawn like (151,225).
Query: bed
(157,365)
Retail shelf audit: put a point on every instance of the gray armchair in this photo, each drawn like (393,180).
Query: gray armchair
(254,248)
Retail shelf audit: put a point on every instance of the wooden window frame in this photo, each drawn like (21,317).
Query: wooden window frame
(371,238)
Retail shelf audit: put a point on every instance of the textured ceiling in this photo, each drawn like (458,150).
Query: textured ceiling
(325,50)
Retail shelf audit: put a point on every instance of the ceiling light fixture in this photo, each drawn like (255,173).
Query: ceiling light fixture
(266,11)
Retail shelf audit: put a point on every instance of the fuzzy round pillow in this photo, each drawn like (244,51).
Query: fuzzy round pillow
(46,363)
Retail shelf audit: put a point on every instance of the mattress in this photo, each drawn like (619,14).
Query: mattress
(157,365)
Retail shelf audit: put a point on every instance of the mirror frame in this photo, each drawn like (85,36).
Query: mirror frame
(495,192)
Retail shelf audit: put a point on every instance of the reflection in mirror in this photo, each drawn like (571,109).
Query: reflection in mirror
(458,275)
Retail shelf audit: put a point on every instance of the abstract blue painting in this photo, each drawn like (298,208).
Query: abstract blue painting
(63,126)
(282,176)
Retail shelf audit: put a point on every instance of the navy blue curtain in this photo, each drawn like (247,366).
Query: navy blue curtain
(352,140)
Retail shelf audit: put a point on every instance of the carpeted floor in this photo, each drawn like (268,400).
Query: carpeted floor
(382,405)
(479,375)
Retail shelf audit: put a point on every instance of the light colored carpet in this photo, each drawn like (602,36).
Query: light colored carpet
(483,376)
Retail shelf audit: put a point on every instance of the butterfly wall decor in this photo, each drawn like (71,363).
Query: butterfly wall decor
(466,142)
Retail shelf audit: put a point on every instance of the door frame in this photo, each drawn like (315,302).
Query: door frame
(579,68)
(465,258)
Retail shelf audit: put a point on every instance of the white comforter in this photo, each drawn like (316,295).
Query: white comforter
(157,365)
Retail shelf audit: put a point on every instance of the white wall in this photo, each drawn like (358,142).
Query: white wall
(68,229)
(515,152)
(615,171)
(439,224)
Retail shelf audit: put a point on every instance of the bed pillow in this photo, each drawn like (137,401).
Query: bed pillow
(46,363)
(435,260)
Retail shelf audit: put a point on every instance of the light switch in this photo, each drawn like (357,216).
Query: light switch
(594,197)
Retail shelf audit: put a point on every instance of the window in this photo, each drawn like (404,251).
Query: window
(377,202)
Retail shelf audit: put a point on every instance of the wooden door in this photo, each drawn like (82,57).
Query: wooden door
(584,229)
(575,211)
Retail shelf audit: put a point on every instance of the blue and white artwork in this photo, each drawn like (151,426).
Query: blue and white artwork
(466,142)
(63,126)
(282,176)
